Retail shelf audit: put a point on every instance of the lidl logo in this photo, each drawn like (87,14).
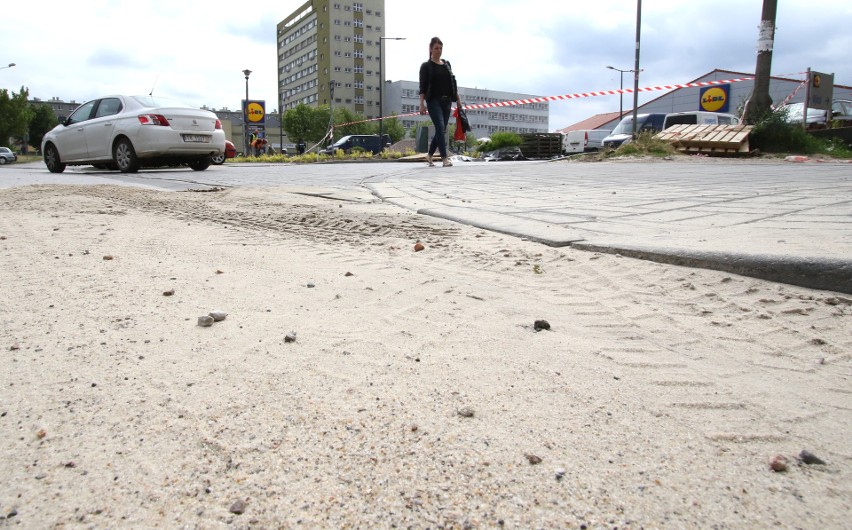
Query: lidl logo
(715,99)
(255,112)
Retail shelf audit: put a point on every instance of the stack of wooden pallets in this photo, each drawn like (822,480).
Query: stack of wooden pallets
(717,140)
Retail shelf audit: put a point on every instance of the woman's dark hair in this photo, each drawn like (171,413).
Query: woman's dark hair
(433,42)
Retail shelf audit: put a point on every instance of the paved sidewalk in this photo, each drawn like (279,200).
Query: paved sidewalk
(779,221)
(776,220)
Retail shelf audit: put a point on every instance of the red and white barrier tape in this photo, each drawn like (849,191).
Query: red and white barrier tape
(602,93)
(579,95)
(791,96)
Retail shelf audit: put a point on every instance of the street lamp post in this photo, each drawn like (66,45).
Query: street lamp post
(281,123)
(620,89)
(331,112)
(246,73)
(382,85)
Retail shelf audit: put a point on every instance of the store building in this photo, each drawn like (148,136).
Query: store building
(727,97)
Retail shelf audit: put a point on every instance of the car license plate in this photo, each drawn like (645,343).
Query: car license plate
(197,138)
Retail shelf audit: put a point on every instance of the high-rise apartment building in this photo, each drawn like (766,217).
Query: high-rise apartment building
(327,47)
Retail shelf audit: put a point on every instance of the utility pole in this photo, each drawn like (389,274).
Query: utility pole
(636,68)
(760,102)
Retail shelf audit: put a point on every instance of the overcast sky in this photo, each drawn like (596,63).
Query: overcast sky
(196,50)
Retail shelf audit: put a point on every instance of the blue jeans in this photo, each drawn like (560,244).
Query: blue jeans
(439,112)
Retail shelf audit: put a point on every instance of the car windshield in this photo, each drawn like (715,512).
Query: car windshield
(625,126)
(340,142)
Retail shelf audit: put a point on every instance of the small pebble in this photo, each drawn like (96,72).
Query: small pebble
(108,258)
(778,463)
(239,507)
(806,457)
(348,274)
(418,247)
(311,285)
(218,316)
(205,321)
(466,412)
(533,459)
(170,292)
(290,337)
(559,473)
(539,325)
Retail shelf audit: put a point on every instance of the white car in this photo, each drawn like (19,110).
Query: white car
(129,132)
(794,113)
(7,155)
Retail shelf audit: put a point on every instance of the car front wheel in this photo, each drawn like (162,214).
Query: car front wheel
(51,159)
(125,156)
(201,164)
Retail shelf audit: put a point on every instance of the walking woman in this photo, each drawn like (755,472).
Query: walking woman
(438,91)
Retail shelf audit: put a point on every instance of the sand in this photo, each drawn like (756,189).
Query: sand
(417,392)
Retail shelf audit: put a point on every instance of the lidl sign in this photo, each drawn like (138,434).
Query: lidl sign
(255,111)
(715,98)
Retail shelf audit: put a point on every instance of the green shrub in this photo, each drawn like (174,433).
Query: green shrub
(773,134)
(499,140)
(644,144)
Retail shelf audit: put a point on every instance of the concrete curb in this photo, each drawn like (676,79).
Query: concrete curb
(813,273)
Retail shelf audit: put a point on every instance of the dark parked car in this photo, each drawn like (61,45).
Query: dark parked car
(367,142)
(7,155)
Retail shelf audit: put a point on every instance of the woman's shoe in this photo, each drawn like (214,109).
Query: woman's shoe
(429,161)
(447,162)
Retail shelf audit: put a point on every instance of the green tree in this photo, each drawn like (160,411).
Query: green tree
(393,128)
(348,122)
(43,120)
(15,114)
(306,123)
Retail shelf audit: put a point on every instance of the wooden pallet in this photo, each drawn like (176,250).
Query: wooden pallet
(719,140)
(541,145)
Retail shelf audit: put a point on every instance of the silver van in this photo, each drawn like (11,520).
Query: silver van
(583,141)
(699,117)
(624,130)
